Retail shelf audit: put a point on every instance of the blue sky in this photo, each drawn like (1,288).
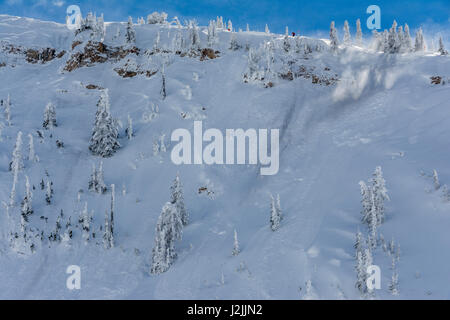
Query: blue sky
(310,17)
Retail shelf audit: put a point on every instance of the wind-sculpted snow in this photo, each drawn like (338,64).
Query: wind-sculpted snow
(366,109)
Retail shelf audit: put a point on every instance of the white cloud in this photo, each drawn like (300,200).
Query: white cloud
(58,3)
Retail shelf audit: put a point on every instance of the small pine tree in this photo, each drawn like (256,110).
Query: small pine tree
(164,253)
(177,199)
(286,44)
(230,26)
(129,130)
(49,192)
(442,50)
(234,45)
(436,182)
(358,242)
(84,221)
(49,116)
(93,180)
(163,92)
(130,35)
(368,261)
(236,249)
(373,225)
(16,163)
(380,193)
(334,42)
(156,44)
(347,36)
(366,202)
(101,186)
(194,37)
(359,36)
(407,42)
(361,273)
(68,233)
(266,29)
(393,44)
(104,134)
(8,110)
(31,153)
(26,207)
(57,232)
(393,285)
(275,213)
(15,166)
(420,42)
(211,35)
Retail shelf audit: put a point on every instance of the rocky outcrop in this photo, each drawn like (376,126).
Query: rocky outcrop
(42,55)
(96,52)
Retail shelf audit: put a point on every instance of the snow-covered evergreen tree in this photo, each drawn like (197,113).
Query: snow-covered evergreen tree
(156,44)
(234,45)
(420,41)
(247,28)
(49,192)
(26,207)
(286,44)
(96,181)
(16,165)
(93,179)
(401,39)
(177,199)
(361,274)
(359,242)
(8,110)
(49,116)
(129,130)
(373,224)
(194,37)
(347,36)
(334,41)
(359,36)
(164,252)
(211,35)
(31,153)
(407,42)
(178,42)
(275,213)
(393,285)
(368,261)
(266,29)
(236,249)
(68,233)
(442,50)
(84,221)
(163,92)
(108,235)
(436,182)
(131,34)
(379,193)
(17,159)
(230,26)
(101,186)
(104,134)
(393,45)
(366,202)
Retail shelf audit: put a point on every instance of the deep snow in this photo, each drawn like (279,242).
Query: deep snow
(383,111)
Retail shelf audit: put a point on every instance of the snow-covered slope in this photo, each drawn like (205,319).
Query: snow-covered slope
(374,110)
